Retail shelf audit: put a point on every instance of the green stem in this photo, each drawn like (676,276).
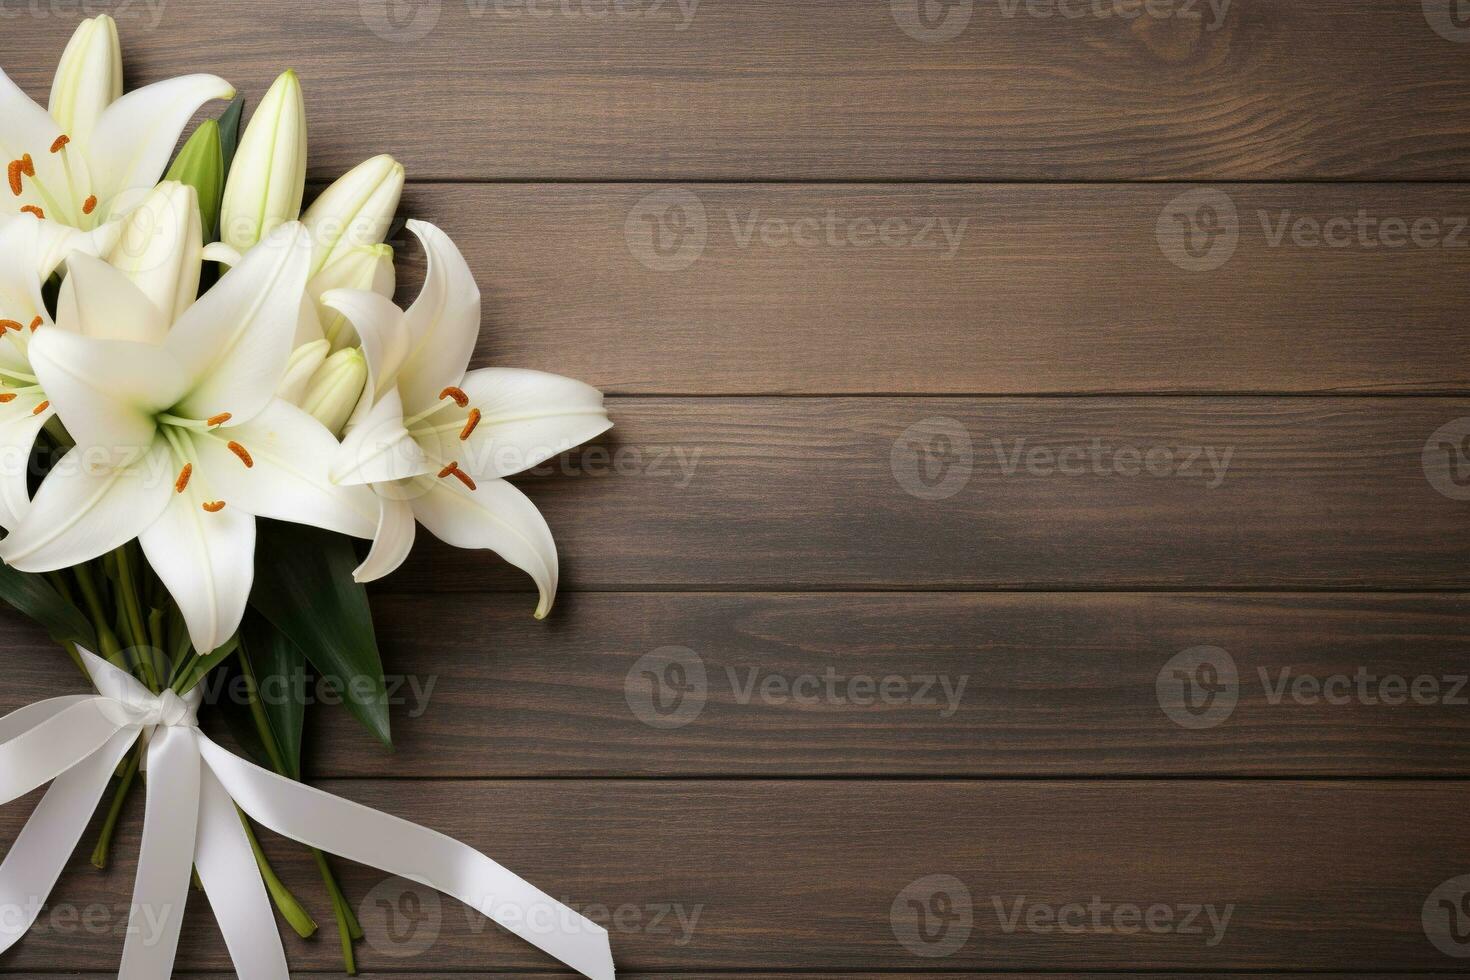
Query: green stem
(109,825)
(297,916)
(348,929)
(106,639)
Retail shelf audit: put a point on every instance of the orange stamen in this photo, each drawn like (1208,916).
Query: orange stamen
(60,142)
(89,205)
(219,419)
(32,209)
(13,171)
(448,470)
(242,452)
(9,325)
(35,324)
(28,166)
(464,478)
(460,398)
(214,506)
(40,408)
(183,480)
(8,396)
(469,425)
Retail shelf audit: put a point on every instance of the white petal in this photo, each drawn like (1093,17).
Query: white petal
(20,423)
(89,77)
(207,561)
(369,267)
(236,340)
(20,283)
(89,504)
(380,329)
(443,323)
(355,210)
(55,241)
(392,543)
(379,449)
(99,301)
(27,129)
(161,248)
(137,134)
(299,369)
(496,516)
(290,451)
(107,392)
(526,417)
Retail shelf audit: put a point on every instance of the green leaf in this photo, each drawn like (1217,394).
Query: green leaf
(195,669)
(304,586)
(279,672)
(201,165)
(35,597)
(229,129)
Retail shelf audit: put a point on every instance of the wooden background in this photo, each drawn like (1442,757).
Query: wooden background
(794,358)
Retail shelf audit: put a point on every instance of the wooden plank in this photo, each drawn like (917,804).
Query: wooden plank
(773,89)
(796,875)
(787,976)
(976,685)
(965,289)
(801,494)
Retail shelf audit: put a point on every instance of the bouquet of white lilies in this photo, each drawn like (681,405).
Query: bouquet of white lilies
(189,364)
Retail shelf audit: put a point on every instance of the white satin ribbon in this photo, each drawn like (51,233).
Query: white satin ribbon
(194,786)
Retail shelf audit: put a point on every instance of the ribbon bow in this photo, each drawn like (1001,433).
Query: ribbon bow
(194,786)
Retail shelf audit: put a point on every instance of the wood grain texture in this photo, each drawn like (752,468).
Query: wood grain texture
(760,289)
(793,685)
(792,494)
(803,875)
(772,90)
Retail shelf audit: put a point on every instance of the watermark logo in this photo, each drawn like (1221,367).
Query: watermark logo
(401,21)
(1446,917)
(401,918)
(668,688)
(1198,687)
(932,21)
(1450,19)
(667,230)
(933,459)
(1446,459)
(1199,230)
(933,916)
(1102,917)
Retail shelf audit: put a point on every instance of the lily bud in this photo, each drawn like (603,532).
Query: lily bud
(335,389)
(368,267)
(89,77)
(268,175)
(300,369)
(201,165)
(354,211)
(161,248)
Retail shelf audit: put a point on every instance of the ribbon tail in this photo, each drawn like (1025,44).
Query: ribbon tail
(162,888)
(232,881)
(48,738)
(39,855)
(358,833)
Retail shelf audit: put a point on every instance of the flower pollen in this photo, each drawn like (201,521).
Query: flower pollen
(60,143)
(219,419)
(183,480)
(8,396)
(90,205)
(469,425)
(9,325)
(240,451)
(32,209)
(460,398)
(453,470)
(214,506)
(40,408)
(13,172)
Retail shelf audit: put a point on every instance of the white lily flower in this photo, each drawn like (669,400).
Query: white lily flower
(437,443)
(181,441)
(161,248)
(93,159)
(268,175)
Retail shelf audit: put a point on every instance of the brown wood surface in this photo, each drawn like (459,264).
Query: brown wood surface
(785,494)
(775,90)
(803,874)
(995,289)
(1005,684)
(748,511)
